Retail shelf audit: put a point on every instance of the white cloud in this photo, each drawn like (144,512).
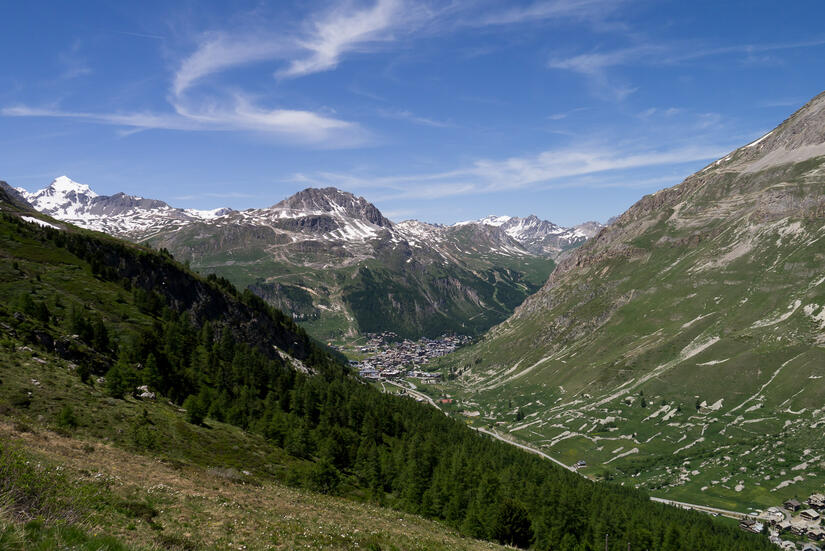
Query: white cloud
(304,127)
(327,39)
(595,65)
(554,9)
(133,120)
(343,30)
(563,115)
(219,52)
(514,173)
(198,107)
(73,64)
(413,118)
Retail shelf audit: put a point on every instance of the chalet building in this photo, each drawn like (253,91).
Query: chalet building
(751,525)
(817,501)
(816,533)
(792,505)
(809,514)
(799,527)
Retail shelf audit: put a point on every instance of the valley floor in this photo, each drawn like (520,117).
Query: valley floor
(661,448)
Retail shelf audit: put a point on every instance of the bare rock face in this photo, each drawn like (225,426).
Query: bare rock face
(332,200)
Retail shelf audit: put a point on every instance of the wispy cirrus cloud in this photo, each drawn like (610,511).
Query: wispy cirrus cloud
(596,66)
(324,41)
(304,127)
(133,120)
(202,97)
(551,9)
(343,30)
(218,52)
(593,63)
(74,65)
(405,115)
(549,168)
(564,114)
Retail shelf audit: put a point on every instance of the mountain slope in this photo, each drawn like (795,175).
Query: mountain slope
(263,406)
(686,334)
(12,199)
(329,258)
(341,268)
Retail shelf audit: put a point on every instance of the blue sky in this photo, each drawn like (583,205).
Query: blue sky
(441,111)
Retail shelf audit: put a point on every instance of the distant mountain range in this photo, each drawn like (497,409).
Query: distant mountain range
(683,348)
(335,262)
(137,218)
(541,237)
(122,215)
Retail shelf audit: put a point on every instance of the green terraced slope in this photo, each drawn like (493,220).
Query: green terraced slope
(682,349)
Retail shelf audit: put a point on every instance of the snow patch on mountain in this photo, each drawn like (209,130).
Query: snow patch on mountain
(328,215)
(39,222)
(122,215)
(539,236)
(208,214)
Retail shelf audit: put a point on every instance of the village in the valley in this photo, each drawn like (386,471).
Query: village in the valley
(802,519)
(391,358)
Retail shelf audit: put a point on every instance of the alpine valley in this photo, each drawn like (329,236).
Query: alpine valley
(144,407)
(335,263)
(412,275)
(682,350)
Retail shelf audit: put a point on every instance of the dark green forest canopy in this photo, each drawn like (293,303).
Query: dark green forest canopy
(202,343)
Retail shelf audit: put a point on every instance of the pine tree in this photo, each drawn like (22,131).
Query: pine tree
(151,374)
(195,409)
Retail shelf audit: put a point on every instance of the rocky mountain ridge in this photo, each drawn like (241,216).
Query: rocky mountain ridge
(336,214)
(121,215)
(539,236)
(328,257)
(342,268)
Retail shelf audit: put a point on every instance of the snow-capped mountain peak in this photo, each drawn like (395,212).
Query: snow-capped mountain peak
(119,214)
(537,235)
(63,198)
(64,184)
(330,201)
(496,221)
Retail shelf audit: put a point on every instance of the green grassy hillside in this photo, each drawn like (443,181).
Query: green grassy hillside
(681,350)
